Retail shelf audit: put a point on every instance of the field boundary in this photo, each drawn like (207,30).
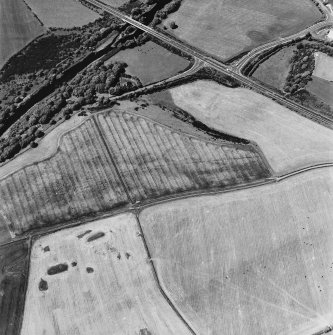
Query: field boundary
(35,15)
(27,275)
(157,279)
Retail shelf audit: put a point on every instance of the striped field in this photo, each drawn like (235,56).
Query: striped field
(114,158)
(78,180)
(157,161)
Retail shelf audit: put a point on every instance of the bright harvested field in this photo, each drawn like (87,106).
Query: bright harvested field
(288,141)
(78,180)
(226,28)
(62,13)
(156,161)
(14,259)
(257,261)
(120,296)
(321,88)
(274,71)
(151,62)
(324,66)
(18,27)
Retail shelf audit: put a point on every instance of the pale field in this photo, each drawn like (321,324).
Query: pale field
(256,261)
(288,140)
(47,146)
(18,27)
(62,13)
(324,66)
(115,3)
(228,27)
(119,297)
(322,88)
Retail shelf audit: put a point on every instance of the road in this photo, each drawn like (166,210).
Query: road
(233,70)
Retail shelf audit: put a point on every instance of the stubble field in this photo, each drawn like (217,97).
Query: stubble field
(62,13)
(115,158)
(229,27)
(256,261)
(108,286)
(13,277)
(324,66)
(18,27)
(288,141)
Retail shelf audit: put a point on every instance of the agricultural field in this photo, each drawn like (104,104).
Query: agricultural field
(302,72)
(13,278)
(95,168)
(323,67)
(62,13)
(115,3)
(322,89)
(230,27)
(18,26)
(151,62)
(254,261)
(274,71)
(94,279)
(47,146)
(78,180)
(156,161)
(288,140)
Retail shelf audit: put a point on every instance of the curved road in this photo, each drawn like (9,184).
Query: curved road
(233,71)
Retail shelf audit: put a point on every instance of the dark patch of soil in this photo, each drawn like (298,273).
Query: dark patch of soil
(53,270)
(85,233)
(89,269)
(43,286)
(95,236)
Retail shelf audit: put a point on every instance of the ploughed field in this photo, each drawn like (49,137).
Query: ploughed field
(77,180)
(226,28)
(155,160)
(254,261)
(115,158)
(96,279)
(62,13)
(288,140)
(13,277)
(18,26)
